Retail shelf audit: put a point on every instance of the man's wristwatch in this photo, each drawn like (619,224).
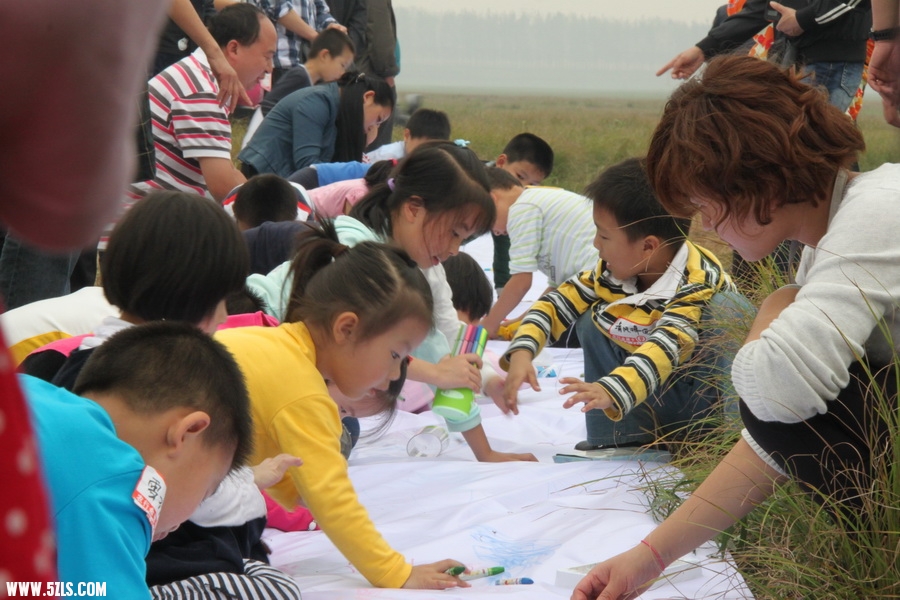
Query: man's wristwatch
(881,35)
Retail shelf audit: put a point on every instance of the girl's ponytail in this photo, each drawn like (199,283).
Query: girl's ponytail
(377,282)
(316,248)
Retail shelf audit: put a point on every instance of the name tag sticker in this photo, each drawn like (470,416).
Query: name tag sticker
(149,494)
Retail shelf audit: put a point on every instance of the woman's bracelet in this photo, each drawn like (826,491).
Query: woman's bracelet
(659,560)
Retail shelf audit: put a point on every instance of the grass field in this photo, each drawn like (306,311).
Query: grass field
(589,134)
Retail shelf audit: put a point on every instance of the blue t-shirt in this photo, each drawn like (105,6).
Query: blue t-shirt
(95,483)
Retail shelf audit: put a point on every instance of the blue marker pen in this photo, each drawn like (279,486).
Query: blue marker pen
(516,581)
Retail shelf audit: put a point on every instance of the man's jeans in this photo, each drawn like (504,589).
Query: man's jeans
(28,274)
(840,79)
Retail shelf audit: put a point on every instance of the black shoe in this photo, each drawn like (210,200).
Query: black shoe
(586,445)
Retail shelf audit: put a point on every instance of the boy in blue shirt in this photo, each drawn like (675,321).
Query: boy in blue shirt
(161,416)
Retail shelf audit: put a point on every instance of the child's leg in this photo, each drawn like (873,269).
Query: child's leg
(832,454)
(600,357)
(258,581)
(703,389)
(689,395)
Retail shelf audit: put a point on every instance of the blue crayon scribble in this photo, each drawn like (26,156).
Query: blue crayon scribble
(516,555)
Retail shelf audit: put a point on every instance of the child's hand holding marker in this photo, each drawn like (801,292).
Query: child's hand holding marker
(435,576)
(466,359)
(458,371)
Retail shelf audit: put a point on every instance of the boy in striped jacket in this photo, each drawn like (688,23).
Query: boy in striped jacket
(648,317)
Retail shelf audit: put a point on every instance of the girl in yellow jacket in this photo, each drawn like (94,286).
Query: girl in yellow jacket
(356,314)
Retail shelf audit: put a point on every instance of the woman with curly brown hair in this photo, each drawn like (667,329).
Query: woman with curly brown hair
(764,158)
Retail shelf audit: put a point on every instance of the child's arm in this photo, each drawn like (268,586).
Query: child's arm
(513,292)
(520,370)
(548,318)
(451,372)
(310,426)
(271,470)
(472,430)
(481,447)
(521,316)
(593,395)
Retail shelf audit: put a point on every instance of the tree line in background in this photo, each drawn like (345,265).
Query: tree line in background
(468,51)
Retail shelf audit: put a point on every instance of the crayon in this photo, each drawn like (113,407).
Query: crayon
(516,581)
(476,573)
(456,571)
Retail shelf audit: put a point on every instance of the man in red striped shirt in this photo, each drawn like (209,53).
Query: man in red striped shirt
(191,132)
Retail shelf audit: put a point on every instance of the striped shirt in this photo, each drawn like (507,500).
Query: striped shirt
(551,231)
(659,326)
(188,124)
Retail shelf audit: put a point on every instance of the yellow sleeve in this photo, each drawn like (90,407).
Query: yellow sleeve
(311,429)
(552,314)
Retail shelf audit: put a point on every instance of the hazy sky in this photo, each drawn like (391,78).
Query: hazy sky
(680,10)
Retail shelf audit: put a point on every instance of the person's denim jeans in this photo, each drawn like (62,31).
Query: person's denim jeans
(691,393)
(28,274)
(840,79)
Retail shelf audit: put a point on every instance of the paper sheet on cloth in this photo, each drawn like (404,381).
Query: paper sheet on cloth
(532,518)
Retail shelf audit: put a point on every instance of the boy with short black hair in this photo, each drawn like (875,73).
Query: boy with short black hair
(649,307)
(425,124)
(164,416)
(330,55)
(529,159)
(265,197)
(550,230)
(472,293)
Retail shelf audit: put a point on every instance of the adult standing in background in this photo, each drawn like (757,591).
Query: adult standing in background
(28,273)
(175,43)
(828,36)
(352,14)
(380,55)
(297,23)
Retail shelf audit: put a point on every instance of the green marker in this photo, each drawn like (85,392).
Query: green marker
(482,573)
(455,571)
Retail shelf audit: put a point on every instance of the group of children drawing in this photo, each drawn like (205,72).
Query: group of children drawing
(351,307)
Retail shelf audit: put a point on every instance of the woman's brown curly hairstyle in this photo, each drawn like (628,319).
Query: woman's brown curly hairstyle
(750,136)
